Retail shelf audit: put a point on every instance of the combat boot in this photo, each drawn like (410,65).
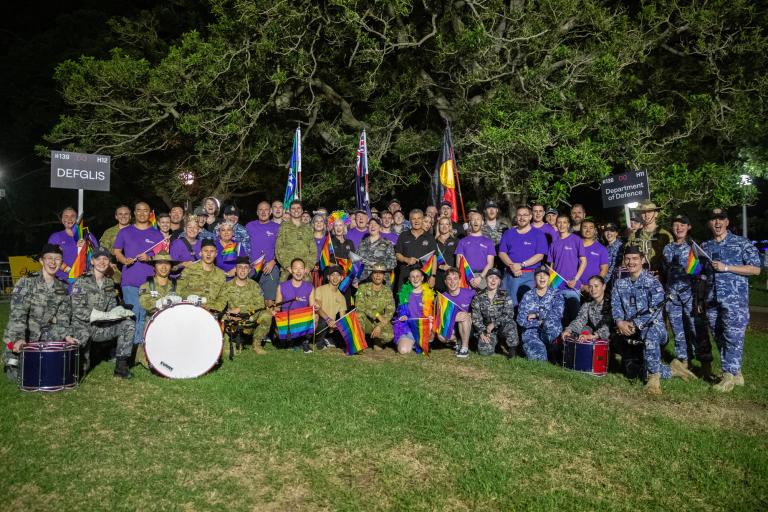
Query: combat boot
(679,369)
(706,371)
(121,368)
(258,349)
(726,383)
(738,380)
(653,385)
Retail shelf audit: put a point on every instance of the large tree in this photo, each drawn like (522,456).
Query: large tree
(542,97)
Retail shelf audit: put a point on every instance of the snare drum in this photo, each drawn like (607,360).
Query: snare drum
(49,366)
(183,341)
(586,356)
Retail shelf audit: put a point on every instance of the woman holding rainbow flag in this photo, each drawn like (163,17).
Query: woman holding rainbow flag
(415,307)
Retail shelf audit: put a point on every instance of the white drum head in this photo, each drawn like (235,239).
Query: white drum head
(183,341)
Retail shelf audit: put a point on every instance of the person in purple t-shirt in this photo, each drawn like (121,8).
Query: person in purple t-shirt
(568,258)
(477,249)
(263,233)
(386,226)
(538,212)
(186,248)
(133,248)
(65,239)
(596,253)
(521,249)
(296,293)
(462,297)
(356,233)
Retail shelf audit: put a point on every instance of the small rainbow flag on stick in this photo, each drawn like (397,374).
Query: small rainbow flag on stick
(153,220)
(80,264)
(440,258)
(295,323)
(230,251)
(345,264)
(162,245)
(693,267)
(258,265)
(556,281)
(465,271)
(326,253)
(79,230)
(352,332)
(428,263)
(445,316)
(354,273)
(421,328)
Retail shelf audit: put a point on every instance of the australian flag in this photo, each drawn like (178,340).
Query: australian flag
(293,188)
(362,201)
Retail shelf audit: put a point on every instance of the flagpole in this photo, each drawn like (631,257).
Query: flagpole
(456,172)
(298,162)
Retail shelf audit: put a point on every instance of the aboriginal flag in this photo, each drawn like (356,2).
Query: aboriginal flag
(445,179)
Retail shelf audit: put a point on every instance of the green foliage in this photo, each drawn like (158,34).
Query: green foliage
(543,97)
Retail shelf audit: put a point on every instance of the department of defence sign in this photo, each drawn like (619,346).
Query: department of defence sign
(79,171)
(620,189)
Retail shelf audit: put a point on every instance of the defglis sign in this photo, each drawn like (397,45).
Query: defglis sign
(80,171)
(620,189)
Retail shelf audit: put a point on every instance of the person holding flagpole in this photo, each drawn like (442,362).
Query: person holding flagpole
(446,247)
(69,240)
(477,249)
(416,300)
(462,299)
(540,316)
(132,247)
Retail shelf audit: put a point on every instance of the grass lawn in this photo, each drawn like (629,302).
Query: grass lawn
(758,293)
(287,431)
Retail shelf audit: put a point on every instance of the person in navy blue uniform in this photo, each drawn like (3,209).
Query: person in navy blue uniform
(732,259)
(540,315)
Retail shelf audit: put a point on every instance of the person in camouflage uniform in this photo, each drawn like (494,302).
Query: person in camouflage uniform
(95,292)
(594,316)
(239,233)
(295,240)
(160,289)
(40,310)
(203,279)
(376,250)
(493,226)
(107,240)
(493,316)
(243,296)
(540,316)
(375,305)
(650,240)
(733,259)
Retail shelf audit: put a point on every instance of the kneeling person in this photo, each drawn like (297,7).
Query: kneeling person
(245,304)
(594,316)
(203,279)
(376,306)
(96,316)
(541,315)
(493,316)
(462,298)
(330,304)
(160,290)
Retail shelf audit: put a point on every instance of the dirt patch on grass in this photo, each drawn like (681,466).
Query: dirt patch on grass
(508,400)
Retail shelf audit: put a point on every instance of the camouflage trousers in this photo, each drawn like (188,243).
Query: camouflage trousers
(509,335)
(123,331)
(537,342)
(728,321)
(386,333)
(689,330)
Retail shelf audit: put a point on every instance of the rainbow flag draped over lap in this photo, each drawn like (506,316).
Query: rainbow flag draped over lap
(350,329)
(421,329)
(445,316)
(295,323)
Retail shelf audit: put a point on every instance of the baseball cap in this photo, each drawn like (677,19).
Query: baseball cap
(231,210)
(493,272)
(683,219)
(491,204)
(611,226)
(98,253)
(718,213)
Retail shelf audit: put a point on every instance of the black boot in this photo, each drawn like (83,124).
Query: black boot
(121,368)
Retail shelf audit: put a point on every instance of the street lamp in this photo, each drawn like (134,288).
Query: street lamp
(627,207)
(745,181)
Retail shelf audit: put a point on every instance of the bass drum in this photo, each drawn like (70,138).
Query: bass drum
(183,341)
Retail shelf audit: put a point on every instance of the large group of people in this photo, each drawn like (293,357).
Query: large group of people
(521,288)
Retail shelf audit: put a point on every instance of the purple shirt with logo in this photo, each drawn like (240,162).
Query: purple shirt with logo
(134,241)
(564,255)
(597,255)
(68,247)
(356,236)
(263,239)
(392,237)
(463,299)
(476,250)
(521,247)
(301,294)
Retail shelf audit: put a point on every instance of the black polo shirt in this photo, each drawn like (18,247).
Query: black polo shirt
(413,247)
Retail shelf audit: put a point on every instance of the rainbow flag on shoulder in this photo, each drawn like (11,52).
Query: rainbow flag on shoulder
(230,251)
(465,271)
(295,323)
(421,328)
(445,316)
(352,332)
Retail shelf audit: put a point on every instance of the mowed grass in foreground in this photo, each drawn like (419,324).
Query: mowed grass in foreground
(287,431)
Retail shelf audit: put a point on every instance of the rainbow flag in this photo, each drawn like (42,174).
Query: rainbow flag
(440,258)
(429,263)
(230,251)
(326,253)
(445,316)
(345,264)
(350,329)
(80,264)
(556,281)
(465,271)
(79,230)
(693,267)
(421,328)
(391,278)
(258,265)
(354,273)
(162,245)
(295,323)
(153,220)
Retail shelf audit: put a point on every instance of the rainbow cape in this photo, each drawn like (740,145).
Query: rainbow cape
(429,263)
(693,267)
(230,251)
(258,265)
(153,220)
(556,281)
(326,254)
(295,323)
(465,271)
(352,332)
(445,316)
(421,328)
